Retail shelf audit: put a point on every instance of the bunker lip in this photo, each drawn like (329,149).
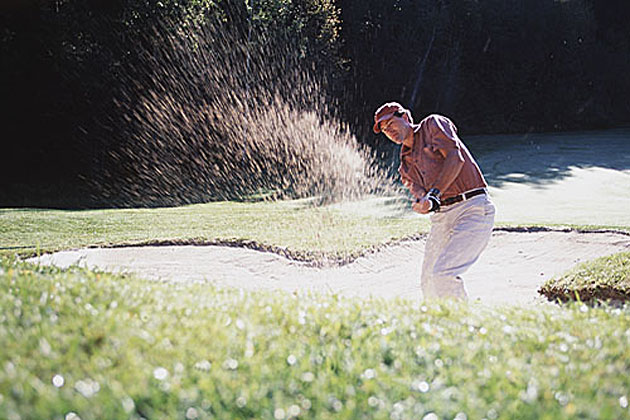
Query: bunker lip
(318,259)
(511,270)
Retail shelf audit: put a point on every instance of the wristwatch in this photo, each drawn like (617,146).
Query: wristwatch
(433,195)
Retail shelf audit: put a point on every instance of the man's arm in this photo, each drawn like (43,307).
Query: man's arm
(445,140)
(453,164)
(415,189)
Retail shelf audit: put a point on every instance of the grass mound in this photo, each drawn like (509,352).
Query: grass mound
(104,346)
(606,278)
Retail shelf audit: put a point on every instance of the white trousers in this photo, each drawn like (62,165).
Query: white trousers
(459,233)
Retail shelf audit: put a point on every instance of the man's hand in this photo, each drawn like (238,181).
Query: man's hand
(430,202)
(421,205)
(415,189)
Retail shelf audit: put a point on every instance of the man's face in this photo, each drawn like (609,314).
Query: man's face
(395,128)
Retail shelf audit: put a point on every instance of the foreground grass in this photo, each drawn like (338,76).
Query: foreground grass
(103,346)
(296,225)
(604,278)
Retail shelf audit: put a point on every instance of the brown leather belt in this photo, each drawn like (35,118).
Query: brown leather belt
(462,197)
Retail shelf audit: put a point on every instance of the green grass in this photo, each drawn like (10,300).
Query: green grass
(120,347)
(296,225)
(109,347)
(604,278)
(294,228)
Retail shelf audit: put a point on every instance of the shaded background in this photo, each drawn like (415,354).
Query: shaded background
(498,66)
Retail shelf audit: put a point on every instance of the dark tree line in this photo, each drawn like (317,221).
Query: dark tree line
(494,66)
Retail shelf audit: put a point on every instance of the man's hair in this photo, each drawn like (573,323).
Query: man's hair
(386,111)
(403,113)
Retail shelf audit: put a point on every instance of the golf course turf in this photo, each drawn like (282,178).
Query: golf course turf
(96,345)
(93,345)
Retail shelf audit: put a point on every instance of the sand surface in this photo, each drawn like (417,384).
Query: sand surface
(510,271)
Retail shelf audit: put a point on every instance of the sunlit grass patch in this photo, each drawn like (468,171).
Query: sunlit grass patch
(296,225)
(105,346)
(606,278)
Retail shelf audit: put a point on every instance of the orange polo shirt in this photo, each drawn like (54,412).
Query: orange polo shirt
(421,164)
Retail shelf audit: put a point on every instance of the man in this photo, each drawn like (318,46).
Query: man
(445,180)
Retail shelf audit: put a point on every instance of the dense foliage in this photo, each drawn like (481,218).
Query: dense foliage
(493,66)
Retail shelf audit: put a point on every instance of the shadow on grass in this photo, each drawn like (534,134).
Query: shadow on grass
(594,297)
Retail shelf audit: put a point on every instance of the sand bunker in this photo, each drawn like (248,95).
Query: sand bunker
(510,271)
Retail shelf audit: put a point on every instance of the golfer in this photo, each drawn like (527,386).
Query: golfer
(446,182)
